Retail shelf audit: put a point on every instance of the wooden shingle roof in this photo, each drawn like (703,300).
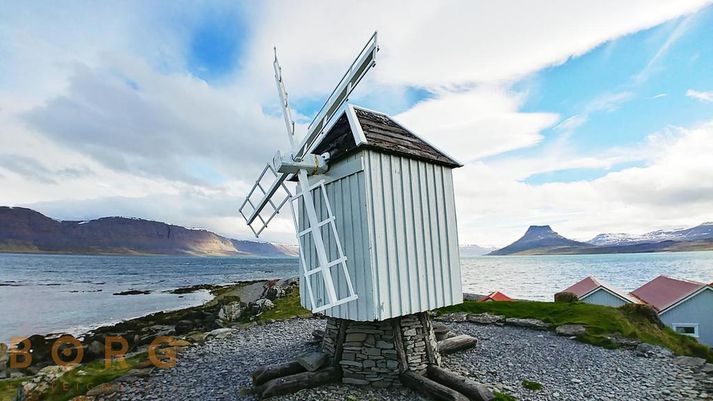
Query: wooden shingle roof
(378,132)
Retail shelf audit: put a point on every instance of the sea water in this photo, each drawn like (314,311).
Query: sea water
(67,293)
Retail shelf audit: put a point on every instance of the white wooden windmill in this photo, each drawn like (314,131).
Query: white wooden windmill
(374,212)
(376,224)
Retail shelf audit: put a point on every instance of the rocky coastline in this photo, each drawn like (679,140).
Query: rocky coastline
(219,344)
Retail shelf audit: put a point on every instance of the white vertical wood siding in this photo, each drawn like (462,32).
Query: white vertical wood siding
(601,297)
(413,235)
(347,196)
(697,309)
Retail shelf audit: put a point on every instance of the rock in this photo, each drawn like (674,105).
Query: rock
(707,368)
(184,326)
(274,290)
(231,312)
(260,306)
(690,361)
(219,333)
(652,351)
(527,323)
(3,361)
(104,389)
(467,296)
(485,318)
(313,360)
(95,349)
(41,384)
(621,341)
(83,398)
(196,337)
(318,334)
(570,330)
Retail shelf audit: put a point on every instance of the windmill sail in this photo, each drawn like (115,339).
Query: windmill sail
(311,227)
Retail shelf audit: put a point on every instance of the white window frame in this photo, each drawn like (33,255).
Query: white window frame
(695,334)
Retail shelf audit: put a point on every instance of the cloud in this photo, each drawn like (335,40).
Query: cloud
(672,189)
(705,97)
(110,116)
(477,123)
(130,118)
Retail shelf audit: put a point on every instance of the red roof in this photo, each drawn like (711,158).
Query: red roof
(584,287)
(662,292)
(496,296)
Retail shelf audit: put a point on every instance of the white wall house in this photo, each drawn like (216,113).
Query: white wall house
(593,291)
(685,306)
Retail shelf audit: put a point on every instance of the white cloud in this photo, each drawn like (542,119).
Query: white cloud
(672,189)
(75,132)
(706,97)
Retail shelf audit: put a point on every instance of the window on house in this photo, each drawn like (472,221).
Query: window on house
(689,329)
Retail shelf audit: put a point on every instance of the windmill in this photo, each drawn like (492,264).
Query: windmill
(300,163)
(375,219)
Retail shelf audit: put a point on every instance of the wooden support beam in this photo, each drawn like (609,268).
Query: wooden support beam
(470,388)
(430,388)
(399,345)
(339,346)
(300,381)
(266,373)
(433,358)
(457,343)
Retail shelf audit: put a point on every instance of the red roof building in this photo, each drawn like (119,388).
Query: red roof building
(496,296)
(664,292)
(593,291)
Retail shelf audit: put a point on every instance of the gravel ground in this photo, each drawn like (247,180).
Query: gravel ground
(570,370)
(504,356)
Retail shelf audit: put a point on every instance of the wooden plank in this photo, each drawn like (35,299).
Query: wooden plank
(264,374)
(428,331)
(300,381)
(457,343)
(430,388)
(470,388)
(339,346)
(399,345)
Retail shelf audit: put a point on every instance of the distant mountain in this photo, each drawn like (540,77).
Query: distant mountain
(471,250)
(697,233)
(25,230)
(539,239)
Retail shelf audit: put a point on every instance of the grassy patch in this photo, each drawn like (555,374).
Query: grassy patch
(80,380)
(530,385)
(602,322)
(285,308)
(498,396)
(8,387)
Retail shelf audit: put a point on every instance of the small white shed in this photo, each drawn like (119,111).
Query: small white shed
(396,219)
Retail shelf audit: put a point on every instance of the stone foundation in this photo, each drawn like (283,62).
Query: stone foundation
(375,353)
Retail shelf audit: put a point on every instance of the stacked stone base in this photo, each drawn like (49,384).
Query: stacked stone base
(376,353)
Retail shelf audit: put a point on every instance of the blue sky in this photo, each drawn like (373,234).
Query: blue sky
(603,122)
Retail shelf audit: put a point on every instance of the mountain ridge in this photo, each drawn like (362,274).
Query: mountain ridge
(26,230)
(542,240)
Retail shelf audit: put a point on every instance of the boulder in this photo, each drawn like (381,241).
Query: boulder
(485,318)
(260,306)
(104,389)
(527,323)
(232,312)
(41,384)
(184,326)
(196,337)
(313,361)
(707,368)
(3,361)
(652,351)
(690,361)
(570,330)
(219,333)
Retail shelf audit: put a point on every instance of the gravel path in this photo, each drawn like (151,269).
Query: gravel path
(568,370)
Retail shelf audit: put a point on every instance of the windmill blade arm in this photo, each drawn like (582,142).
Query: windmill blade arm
(361,65)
